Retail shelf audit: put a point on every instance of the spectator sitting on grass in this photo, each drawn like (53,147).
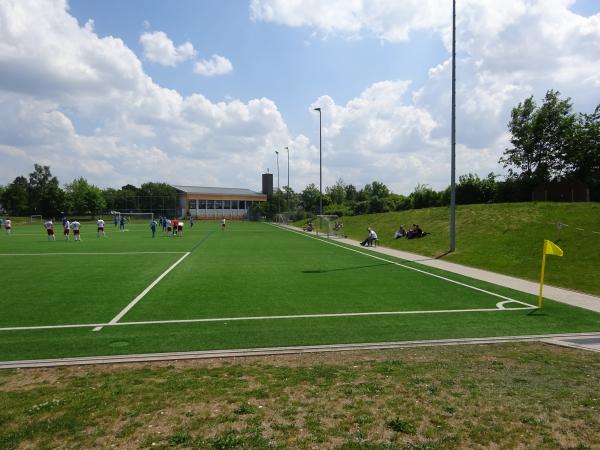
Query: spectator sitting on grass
(400,233)
(415,232)
(308,227)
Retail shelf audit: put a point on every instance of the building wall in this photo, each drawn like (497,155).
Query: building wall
(208,206)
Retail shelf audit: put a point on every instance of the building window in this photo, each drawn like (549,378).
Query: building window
(242,204)
(226,204)
(192,204)
(218,204)
(210,204)
(234,204)
(201,204)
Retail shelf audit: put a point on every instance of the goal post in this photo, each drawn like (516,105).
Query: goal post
(36,218)
(330,226)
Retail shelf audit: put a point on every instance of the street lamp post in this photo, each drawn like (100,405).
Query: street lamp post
(320,167)
(288,182)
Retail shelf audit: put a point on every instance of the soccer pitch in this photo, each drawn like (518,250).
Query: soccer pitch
(251,285)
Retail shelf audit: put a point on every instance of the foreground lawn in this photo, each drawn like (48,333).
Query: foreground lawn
(504,238)
(491,396)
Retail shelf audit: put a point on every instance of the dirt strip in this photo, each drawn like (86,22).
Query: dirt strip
(555,339)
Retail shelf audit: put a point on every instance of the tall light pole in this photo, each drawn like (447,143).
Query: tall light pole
(320,168)
(288,183)
(278,191)
(453,138)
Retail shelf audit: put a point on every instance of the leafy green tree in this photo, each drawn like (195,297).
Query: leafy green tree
(15,197)
(337,192)
(583,159)
(309,198)
(45,195)
(424,197)
(82,197)
(472,189)
(540,138)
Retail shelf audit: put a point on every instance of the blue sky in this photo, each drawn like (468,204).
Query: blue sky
(204,92)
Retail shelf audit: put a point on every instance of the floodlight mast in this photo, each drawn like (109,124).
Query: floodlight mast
(278,190)
(453,138)
(320,168)
(288,183)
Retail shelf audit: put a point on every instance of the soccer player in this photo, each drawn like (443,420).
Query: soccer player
(75,226)
(168,225)
(7,225)
(180,228)
(153,227)
(191,221)
(122,224)
(49,226)
(223,224)
(100,225)
(175,223)
(66,228)
(116,221)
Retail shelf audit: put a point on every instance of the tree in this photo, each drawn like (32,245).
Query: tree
(45,195)
(540,137)
(583,158)
(337,192)
(15,197)
(310,198)
(82,197)
(472,189)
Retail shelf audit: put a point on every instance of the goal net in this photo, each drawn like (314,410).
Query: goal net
(134,217)
(36,218)
(330,226)
(282,218)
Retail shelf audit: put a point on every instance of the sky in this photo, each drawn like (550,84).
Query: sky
(205,92)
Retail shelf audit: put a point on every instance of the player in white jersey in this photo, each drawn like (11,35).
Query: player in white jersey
(7,225)
(66,229)
(49,226)
(168,227)
(100,225)
(223,224)
(76,226)
(180,228)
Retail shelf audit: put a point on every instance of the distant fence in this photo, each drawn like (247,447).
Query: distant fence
(563,191)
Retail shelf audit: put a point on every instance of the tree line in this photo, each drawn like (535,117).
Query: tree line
(40,193)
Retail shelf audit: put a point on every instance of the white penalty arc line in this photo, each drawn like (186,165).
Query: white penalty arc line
(406,267)
(91,253)
(232,319)
(142,294)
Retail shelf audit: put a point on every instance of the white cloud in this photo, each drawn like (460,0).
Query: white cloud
(216,65)
(160,49)
(506,51)
(60,79)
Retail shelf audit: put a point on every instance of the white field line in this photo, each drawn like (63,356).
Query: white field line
(89,253)
(406,267)
(143,293)
(298,316)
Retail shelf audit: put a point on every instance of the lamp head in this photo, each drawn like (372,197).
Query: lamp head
(318,109)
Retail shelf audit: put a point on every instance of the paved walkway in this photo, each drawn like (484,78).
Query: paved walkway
(562,295)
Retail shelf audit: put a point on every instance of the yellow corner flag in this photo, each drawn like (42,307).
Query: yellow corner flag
(550,248)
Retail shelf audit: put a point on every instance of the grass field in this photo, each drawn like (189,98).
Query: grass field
(506,396)
(253,285)
(504,238)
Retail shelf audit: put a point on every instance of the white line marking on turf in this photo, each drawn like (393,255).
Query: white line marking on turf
(406,267)
(143,293)
(89,253)
(298,316)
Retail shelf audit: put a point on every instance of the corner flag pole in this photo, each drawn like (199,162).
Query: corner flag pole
(542,276)
(550,248)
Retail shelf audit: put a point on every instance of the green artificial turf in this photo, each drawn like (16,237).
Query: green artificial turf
(503,238)
(248,270)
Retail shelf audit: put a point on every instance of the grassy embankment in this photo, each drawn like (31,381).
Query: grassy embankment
(504,238)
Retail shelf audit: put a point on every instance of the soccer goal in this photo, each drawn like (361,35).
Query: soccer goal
(330,226)
(134,217)
(283,218)
(36,218)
